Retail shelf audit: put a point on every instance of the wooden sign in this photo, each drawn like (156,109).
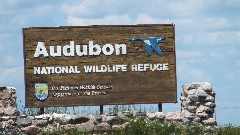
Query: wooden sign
(100,65)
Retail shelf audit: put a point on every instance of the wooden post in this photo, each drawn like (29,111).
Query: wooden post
(41,111)
(101,109)
(160,107)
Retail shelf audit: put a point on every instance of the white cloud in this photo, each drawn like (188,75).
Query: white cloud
(216,55)
(147,19)
(187,73)
(108,20)
(11,76)
(188,54)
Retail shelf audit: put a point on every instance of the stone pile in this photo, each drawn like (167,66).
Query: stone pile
(8,110)
(197,107)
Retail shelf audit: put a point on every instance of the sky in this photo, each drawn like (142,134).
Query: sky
(207,39)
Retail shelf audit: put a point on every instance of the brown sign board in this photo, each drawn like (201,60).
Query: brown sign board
(99,65)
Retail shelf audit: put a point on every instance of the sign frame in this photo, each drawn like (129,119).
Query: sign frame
(141,36)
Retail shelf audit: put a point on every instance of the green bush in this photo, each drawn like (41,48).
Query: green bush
(229,130)
(141,126)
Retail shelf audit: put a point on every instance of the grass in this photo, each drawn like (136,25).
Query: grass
(136,126)
(141,126)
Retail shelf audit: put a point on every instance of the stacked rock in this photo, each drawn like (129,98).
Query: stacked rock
(8,106)
(8,110)
(198,102)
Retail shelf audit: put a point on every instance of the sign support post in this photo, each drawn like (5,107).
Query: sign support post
(101,109)
(160,107)
(41,111)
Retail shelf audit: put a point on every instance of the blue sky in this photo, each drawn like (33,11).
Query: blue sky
(207,38)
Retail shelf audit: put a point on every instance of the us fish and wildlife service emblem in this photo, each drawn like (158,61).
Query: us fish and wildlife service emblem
(41,91)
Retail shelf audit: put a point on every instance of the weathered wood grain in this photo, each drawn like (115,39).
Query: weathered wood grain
(127,87)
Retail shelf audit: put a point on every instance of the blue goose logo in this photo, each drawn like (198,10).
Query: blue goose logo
(150,42)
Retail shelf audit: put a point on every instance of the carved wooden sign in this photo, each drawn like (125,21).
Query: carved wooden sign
(99,65)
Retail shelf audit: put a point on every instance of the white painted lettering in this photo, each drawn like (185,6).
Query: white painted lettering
(108,49)
(41,50)
(58,53)
(94,49)
(68,50)
(118,47)
(84,51)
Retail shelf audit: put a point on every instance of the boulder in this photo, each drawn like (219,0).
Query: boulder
(78,119)
(193,98)
(192,109)
(32,130)
(198,85)
(159,115)
(210,121)
(24,122)
(10,111)
(40,123)
(85,127)
(174,116)
(209,99)
(202,115)
(102,127)
(62,118)
(210,104)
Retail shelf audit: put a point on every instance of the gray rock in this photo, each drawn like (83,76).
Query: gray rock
(198,85)
(98,119)
(78,119)
(10,111)
(85,127)
(118,127)
(2,88)
(23,116)
(32,130)
(114,120)
(24,122)
(5,118)
(122,115)
(39,117)
(102,127)
(14,118)
(192,109)
(159,115)
(188,115)
(201,109)
(127,113)
(1,125)
(206,109)
(174,116)
(186,87)
(210,104)
(156,115)
(183,98)
(202,115)
(185,121)
(69,126)
(40,123)
(197,120)
(210,121)
(2,104)
(194,98)
(136,114)
(151,116)
(63,118)
(210,99)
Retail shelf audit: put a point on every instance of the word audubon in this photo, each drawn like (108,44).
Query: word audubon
(75,50)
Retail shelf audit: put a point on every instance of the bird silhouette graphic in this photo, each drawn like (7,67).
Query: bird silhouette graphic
(150,41)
